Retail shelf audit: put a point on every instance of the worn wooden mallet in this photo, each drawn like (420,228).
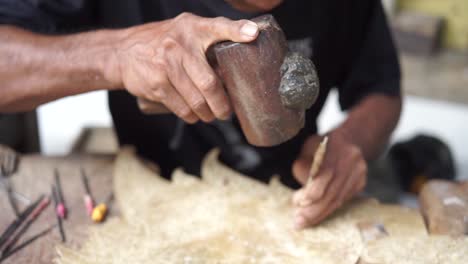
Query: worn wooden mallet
(269,87)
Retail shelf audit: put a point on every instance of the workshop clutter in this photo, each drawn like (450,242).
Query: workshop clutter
(420,159)
(11,239)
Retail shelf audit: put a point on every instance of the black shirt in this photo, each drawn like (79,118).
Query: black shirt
(349,42)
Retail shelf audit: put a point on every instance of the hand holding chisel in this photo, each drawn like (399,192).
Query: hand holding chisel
(332,170)
(314,169)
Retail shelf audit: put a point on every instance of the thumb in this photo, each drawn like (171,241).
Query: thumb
(310,146)
(301,165)
(300,169)
(223,29)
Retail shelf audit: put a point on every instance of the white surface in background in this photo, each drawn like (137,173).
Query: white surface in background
(447,121)
(61,121)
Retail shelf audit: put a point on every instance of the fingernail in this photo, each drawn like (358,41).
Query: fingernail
(299,222)
(250,29)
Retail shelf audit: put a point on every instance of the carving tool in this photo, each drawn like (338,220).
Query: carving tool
(18,221)
(59,219)
(314,168)
(23,227)
(100,211)
(61,209)
(88,198)
(317,161)
(26,243)
(269,87)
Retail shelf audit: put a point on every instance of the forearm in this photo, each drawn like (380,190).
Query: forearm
(36,69)
(371,122)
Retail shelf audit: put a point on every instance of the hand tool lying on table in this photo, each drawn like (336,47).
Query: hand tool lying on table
(87,198)
(269,87)
(444,205)
(26,243)
(100,211)
(59,218)
(18,221)
(60,206)
(14,232)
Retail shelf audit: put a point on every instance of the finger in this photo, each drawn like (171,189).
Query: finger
(309,215)
(350,189)
(222,29)
(208,83)
(310,146)
(353,182)
(192,96)
(301,169)
(298,197)
(361,178)
(301,166)
(317,189)
(168,95)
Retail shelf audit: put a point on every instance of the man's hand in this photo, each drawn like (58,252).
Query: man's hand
(342,175)
(165,62)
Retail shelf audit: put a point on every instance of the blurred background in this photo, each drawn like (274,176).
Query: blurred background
(432,37)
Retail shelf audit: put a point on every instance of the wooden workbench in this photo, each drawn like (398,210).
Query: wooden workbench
(34,177)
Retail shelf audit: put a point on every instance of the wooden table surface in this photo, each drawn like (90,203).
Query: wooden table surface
(34,177)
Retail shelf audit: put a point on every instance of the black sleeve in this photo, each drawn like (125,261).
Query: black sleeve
(374,68)
(48,16)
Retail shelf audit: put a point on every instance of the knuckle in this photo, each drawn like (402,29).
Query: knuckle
(220,20)
(197,103)
(156,82)
(184,113)
(160,64)
(354,151)
(159,93)
(169,43)
(217,25)
(208,84)
(317,194)
(184,16)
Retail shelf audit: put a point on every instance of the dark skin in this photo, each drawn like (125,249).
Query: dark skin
(343,172)
(165,62)
(162,61)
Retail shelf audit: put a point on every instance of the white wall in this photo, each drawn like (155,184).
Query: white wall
(61,121)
